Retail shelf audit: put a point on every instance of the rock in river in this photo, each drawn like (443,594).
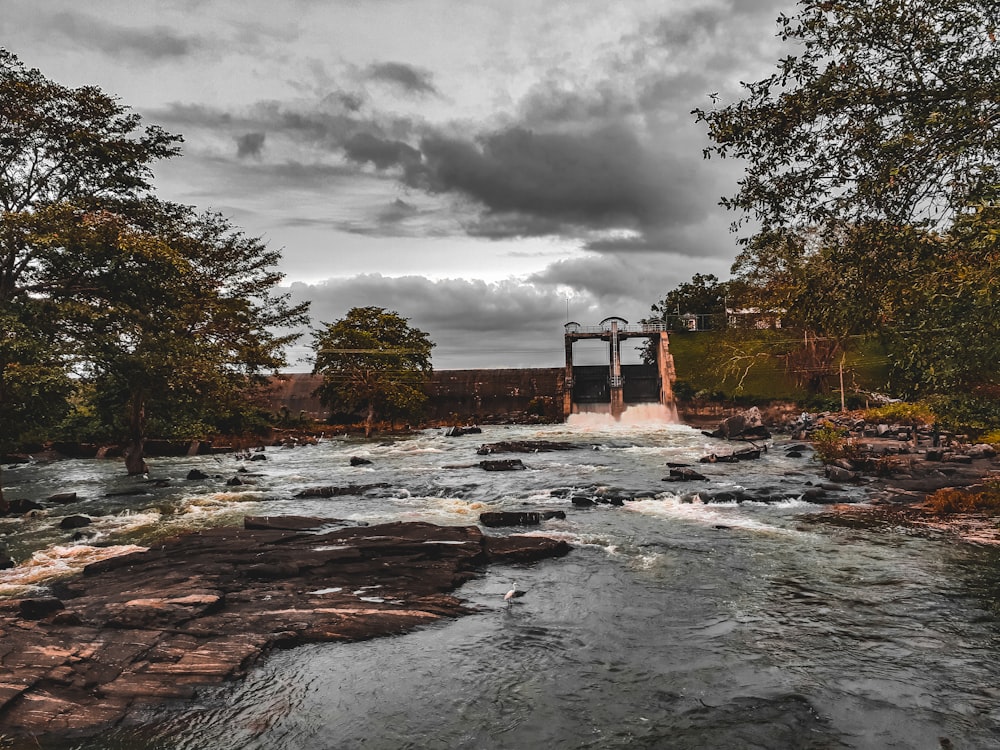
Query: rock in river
(202,608)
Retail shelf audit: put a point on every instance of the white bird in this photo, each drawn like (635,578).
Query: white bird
(509,596)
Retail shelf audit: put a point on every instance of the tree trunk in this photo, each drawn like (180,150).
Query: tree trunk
(370,421)
(134,462)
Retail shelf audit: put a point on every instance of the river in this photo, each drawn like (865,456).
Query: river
(671,624)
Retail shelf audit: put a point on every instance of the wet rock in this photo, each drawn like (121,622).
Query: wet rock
(794,454)
(582,501)
(729,496)
(202,608)
(6,562)
(981,450)
(37,608)
(503,464)
(196,474)
(548,515)
(18,507)
(957,458)
(350,489)
(288,523)
(457,431)
(683,474)
(524,446)
(840,474)
(234,482)
(509,518)
(358,461)
(745,425)
(63,498)
(74,522)
(257,457)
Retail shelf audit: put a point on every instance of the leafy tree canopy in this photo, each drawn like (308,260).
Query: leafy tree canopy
(61,144)
(886,110)
(165,307)
(374,363)
(704,295)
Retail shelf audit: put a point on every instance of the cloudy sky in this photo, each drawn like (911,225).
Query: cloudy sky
(483,167)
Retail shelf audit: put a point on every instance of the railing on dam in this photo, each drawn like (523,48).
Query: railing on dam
(640,328)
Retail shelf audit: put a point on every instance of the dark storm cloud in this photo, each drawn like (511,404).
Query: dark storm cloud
(381,152)
(156,43)
(249,144)
(603,178)
(408,78)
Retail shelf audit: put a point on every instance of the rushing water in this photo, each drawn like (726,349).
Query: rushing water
(670,625)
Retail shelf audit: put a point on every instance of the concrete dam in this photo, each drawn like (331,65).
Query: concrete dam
(551,393)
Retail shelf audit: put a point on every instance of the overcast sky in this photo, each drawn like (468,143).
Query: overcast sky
(479,166)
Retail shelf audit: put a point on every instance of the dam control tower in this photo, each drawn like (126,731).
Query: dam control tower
(611,388)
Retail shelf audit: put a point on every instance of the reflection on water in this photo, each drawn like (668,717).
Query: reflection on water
(672,624)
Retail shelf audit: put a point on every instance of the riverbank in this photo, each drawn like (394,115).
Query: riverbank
(202,608)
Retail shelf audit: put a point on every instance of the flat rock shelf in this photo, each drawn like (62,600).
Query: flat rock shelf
(202,608)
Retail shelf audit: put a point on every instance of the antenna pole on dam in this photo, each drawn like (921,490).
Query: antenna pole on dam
(611,388)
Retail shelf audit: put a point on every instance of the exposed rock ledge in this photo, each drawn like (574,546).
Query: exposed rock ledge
(203,607)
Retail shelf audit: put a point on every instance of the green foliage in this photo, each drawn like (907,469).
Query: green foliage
(965,413)
(704,296)
(172,313)
(373,363)
(882,110)
(831,443)
(903,412)
(873,171)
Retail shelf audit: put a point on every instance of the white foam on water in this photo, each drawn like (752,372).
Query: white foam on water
(52,563)
(717,513)
(652,415)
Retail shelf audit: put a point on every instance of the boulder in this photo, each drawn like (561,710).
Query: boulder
(746,424)
(350,489)
(18,507)
(840,474)
(981,450)
(684,475)
(457,431)
(509,518)
(525,446)
(508,464)
(358,461)
(62,498)
(195,474)
(74,522)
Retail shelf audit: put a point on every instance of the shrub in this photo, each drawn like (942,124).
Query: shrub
(950,500)
(831,443)
(903,411)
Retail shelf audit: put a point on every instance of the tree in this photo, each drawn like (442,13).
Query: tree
(60,144)
(866,152)
(374,363)
(166,307)
(704,295)
(56,145)
(888,111)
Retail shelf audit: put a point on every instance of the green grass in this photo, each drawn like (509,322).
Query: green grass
(699,360)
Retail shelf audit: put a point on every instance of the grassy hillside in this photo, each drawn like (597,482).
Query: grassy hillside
(750,368)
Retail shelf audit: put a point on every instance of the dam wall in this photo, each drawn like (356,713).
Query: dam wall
(453,395)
